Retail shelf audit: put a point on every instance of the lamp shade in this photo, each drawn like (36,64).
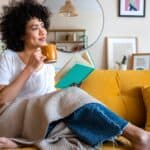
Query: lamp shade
(68,9)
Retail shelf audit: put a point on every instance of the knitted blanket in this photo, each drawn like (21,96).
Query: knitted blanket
(29,119)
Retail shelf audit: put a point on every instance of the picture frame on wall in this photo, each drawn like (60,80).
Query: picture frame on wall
(141,61)
(119,48)
(132,8)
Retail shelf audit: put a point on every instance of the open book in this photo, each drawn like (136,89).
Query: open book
(74,71)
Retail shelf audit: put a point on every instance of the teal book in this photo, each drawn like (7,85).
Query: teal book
(74,76)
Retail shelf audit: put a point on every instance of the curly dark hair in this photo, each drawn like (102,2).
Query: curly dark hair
(14,20)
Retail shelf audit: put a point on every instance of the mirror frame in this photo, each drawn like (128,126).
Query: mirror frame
(100,33)
(102,28)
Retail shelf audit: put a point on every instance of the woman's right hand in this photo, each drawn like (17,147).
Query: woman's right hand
(36,60)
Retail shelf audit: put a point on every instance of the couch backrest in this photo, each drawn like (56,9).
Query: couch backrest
(120,91)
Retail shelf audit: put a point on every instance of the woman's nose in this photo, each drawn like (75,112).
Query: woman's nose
(43,31)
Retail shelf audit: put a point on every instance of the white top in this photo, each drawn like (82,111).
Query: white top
(39,83)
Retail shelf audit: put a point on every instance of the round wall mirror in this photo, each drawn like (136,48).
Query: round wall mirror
(75,33)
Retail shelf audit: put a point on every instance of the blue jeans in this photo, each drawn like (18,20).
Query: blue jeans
(94,123)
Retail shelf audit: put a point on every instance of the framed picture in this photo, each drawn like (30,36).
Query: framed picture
(119,49)
(141,61)
(132,8)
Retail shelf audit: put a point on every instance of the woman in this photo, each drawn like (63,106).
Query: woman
(22,71)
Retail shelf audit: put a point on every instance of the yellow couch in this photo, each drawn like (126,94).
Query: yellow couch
(121,92)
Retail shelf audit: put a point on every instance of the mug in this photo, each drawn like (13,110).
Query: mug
(50,52)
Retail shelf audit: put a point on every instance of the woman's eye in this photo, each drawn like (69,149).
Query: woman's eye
(38,27)
(42,25)
(34,28)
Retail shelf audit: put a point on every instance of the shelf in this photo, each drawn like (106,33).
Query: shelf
(70,38)
(66,41)
(66,30)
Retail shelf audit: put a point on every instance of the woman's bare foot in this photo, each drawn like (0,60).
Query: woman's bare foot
(139,138)
(143,143)
(6,143)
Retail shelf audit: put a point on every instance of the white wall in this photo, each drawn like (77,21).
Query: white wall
(119,26)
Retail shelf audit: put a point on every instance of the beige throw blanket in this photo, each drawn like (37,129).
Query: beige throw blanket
(29,119)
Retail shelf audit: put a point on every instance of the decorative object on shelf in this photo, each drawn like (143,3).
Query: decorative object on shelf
(141,61)
(68,9)
(62,48)
(124,60)
(123,64)
(77,47)
(74,36)
(68,38)
(85,39)
(117,48)
(132,8)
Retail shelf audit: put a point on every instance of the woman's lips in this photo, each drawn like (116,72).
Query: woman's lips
(42,39)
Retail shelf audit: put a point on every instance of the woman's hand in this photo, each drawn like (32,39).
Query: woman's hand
(36,60)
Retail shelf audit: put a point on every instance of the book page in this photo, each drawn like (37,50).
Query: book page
(88,58)
(76,59)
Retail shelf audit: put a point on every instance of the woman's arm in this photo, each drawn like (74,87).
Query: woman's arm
(11,91)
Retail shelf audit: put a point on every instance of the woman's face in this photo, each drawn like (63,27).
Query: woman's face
(35,34)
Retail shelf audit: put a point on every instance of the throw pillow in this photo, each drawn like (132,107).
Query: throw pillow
(146,98)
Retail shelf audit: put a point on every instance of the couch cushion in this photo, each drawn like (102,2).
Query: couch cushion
(120,91)
(146,97)
(130,83)
(102,85)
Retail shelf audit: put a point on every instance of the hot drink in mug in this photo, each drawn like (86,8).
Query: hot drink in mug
(50,52)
